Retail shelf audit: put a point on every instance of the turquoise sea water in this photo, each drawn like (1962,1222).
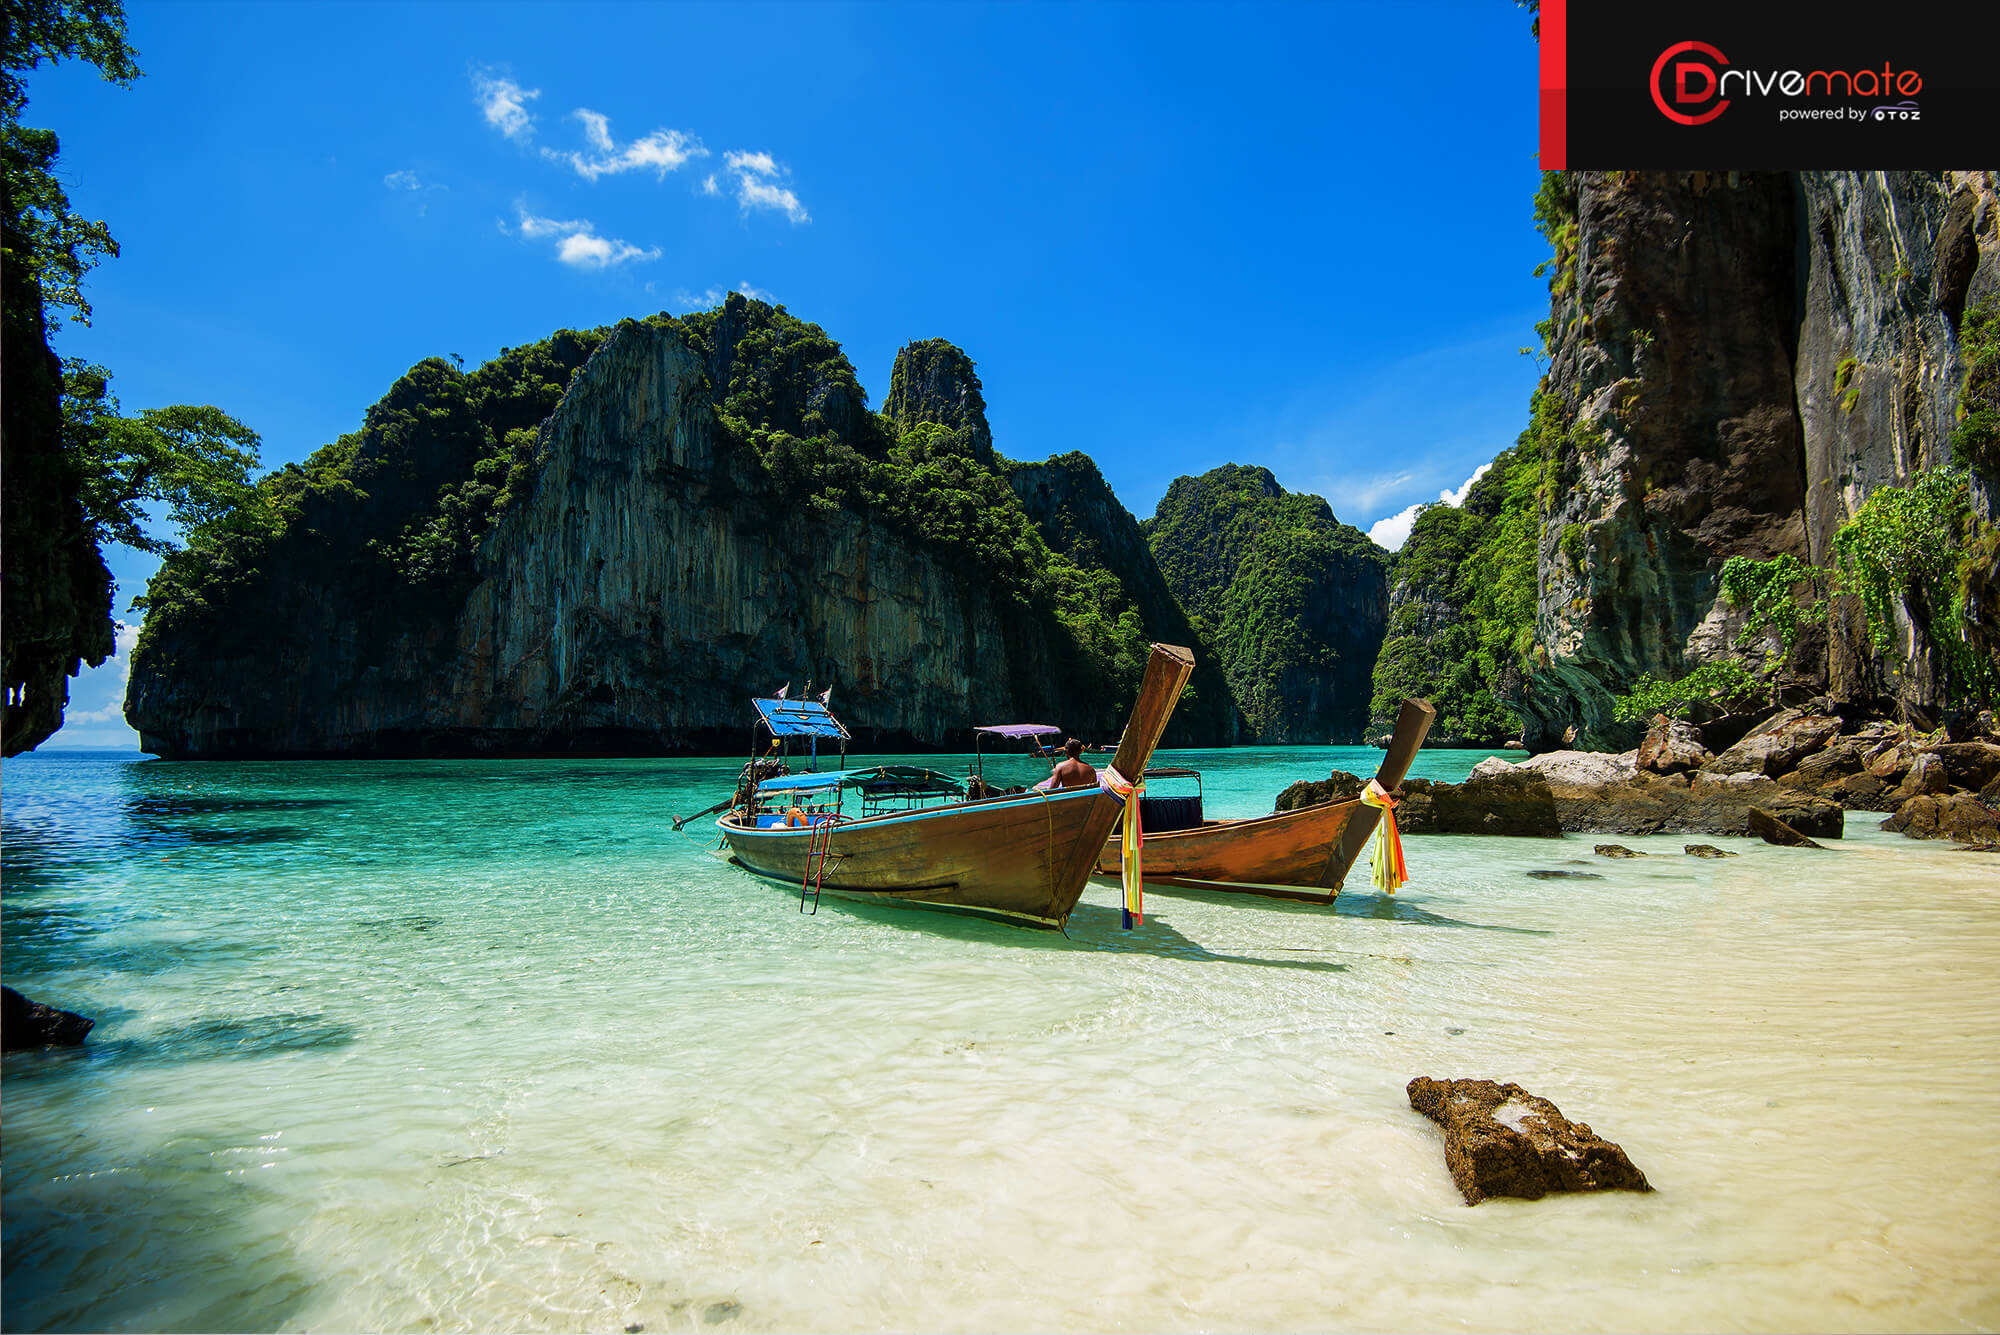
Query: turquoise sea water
(450,1045)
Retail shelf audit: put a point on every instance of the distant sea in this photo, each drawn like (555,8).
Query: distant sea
(488,1046)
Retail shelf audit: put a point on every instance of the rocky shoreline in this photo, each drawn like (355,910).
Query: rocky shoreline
(1803,768)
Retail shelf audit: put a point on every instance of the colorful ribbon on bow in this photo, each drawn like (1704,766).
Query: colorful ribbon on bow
(1128,792)
(1386,858)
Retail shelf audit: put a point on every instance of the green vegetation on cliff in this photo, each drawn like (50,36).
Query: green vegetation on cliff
(1975,440)
(1293,598)
(390,517)
(391,513)
(1463,611)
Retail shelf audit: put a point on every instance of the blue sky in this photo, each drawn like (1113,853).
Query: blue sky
(1170,236)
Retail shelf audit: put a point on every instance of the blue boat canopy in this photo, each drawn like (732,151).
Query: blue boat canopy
(878,780)
(799,718)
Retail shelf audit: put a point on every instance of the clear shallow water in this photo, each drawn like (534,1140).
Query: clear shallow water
(486,1046)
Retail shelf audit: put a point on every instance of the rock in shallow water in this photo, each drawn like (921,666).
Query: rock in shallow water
(1500,1140)
(1957,816)
(1706,851)
(30,1024)
(1774,831)
(1619,851)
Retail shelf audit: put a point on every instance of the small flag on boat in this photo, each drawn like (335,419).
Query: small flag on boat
(782,691)
(1386,858)
(1134,840)
(826,696)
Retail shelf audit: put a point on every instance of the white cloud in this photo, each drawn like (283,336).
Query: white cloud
(708,185)
(757,176)
(662,150)
(505,104)
(578,244)
(1457,497)
(1394,531)
(752,164)
(402,181)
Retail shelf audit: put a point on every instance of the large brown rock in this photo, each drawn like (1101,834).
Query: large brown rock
(1500,1140)
(1512,804)
(1844,757)
(30,1024)
(1671,746)
(1860,792)
(1927,777)
(1774,831)
(1508,802)
(1969,764)
(1336,787)
(1697,803)
(1956,816)
(1777,745)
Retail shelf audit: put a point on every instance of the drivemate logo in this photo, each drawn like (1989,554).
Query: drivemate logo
(1693,83)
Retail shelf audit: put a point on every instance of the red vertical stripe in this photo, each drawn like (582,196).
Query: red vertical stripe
(1555,84)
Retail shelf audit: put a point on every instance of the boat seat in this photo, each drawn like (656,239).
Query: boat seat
(1159,815)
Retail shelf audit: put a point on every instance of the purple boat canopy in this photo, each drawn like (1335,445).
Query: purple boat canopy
(1020,729)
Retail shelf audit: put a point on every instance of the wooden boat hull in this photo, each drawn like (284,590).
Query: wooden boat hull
(1302,854)
(1023,858)
(1293,849)
(1007,858)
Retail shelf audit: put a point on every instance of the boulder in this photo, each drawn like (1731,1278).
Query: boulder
(1336,787)
(1506,800)
(1774,831)
(1960,817)
(1971,765)
(1927,777)
(1619,851)
(1514,803)
(1844,757)
(1672,746)
(1860,792)
(1694,803)
(1777,745)
(30,1024)
(1891,760)
(1582,769)
(1707,851)
(1500,1140)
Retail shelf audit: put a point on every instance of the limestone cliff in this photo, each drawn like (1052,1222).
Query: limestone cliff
(1079,516)
(1736,361)
(934,381)
(1294,601)
(709,511)
(57,595)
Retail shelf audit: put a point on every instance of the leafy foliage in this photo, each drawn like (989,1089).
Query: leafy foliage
(1771,592)
(196,460)
(1432,649)
(45,239)
(1725,682)
(1902,549)
(1975,440)
(1249,559)
(393,511)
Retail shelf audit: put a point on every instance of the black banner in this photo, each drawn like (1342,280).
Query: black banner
(1758,86)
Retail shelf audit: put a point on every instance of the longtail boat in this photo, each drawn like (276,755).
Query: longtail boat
(1022,858)
(1301,854)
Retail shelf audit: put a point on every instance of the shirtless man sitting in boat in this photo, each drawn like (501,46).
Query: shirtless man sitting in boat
(1072,771)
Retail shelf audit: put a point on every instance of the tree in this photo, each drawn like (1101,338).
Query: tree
(195,460)
(46,241)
